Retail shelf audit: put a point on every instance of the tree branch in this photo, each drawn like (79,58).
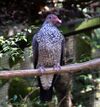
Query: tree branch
(80,31)
(85,25)
(71,68)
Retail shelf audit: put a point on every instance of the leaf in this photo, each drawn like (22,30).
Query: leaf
(88,23)
(83,26)
(1,54)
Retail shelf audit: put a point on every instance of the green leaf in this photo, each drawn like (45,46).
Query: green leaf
(89,23)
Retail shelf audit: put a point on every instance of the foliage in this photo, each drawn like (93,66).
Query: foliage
(96,39)
(22,94)
(84,82)
(89,23)
(14,46)
(16,10)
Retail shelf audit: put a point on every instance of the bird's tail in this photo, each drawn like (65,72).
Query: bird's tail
(46,95)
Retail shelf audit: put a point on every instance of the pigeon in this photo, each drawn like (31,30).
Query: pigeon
(48,51)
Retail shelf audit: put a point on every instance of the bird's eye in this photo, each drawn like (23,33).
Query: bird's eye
(49,17)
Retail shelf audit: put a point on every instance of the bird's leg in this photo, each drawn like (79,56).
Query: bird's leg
(41,69)
(57,67)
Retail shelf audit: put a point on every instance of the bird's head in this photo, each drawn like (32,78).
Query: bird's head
(51,18)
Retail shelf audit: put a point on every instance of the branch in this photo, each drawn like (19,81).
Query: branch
(80,31)
(85,25)
(71,68)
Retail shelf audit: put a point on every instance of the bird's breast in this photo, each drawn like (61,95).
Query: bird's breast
(49,46)
(49,53)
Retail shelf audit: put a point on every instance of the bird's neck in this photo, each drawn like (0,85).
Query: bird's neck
(48,23)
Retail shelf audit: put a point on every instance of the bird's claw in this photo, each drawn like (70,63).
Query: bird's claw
(57,67)
(41,69)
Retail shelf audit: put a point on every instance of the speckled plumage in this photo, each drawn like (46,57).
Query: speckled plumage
(49,41)
(47,50)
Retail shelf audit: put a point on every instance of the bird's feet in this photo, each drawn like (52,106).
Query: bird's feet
(57,67)
(41,69)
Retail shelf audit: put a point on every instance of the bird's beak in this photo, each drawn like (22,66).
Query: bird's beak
(58,20)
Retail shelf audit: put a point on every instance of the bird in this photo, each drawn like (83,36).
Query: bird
(48,51)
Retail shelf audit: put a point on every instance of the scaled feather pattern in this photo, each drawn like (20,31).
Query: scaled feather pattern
(47,50)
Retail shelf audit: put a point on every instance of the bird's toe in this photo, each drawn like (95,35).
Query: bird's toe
(57,67)
(41,69)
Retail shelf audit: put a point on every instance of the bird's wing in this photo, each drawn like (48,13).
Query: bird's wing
(35,51)
(62,52)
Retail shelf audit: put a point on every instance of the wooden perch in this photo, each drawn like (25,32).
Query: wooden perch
(70,68)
